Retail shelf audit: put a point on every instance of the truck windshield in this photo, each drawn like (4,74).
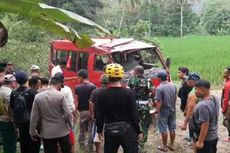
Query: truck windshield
(129,60)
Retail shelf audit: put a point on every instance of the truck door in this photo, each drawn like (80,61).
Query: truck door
(76,61)
(97,63)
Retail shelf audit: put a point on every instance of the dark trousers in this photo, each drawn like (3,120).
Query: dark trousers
(9,137)
(51,145)
(128,142)
(209,147)
(27,145)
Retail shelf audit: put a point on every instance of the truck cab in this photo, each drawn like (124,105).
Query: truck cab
(127,52)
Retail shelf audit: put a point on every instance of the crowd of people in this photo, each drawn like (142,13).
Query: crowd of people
(44,112)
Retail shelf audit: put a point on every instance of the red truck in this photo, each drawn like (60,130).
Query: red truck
(126,51)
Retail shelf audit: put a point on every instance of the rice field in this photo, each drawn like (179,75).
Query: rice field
(206,55)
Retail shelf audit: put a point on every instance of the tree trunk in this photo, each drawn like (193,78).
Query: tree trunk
(121,21)
(181,20)
(149,19)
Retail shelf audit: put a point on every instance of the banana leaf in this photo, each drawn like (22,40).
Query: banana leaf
(52,19)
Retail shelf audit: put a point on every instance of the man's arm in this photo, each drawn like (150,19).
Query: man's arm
(203,134)
(204,117)
(92,101)
(70,99)
(158,99)
(67,112)
(227,114)
(191,103)
(226,98)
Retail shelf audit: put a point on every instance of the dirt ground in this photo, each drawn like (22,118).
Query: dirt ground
(181,145)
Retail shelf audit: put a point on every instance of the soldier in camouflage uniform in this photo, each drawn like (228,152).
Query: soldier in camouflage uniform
(142,88)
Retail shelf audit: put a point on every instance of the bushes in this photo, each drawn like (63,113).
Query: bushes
(27,44)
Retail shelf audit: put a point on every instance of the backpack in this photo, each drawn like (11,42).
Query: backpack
(20,111)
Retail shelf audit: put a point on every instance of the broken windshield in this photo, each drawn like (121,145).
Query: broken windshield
(146,57)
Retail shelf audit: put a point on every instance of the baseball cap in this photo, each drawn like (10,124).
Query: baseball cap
(193,76)
(21,77)
(35,67)
(183,70)
(9,63)
(162,74)
(9,78)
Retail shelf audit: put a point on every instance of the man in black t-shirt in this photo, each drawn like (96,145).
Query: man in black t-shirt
(116,111)
(27,145)
(83,92)
(184,89)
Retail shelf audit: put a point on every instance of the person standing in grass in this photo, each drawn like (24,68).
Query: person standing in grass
(184,88)
(166,95)
(225,101)
(204,122)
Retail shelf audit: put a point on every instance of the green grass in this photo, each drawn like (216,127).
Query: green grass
(206,55)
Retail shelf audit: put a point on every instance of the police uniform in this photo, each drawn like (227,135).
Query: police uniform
(142,88)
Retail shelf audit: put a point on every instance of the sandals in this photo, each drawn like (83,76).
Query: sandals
(170,148)
(161,148)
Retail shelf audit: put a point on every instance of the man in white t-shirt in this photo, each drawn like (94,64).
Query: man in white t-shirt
(58,68)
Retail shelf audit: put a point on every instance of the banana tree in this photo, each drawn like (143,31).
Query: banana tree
(3,35)
(51,18)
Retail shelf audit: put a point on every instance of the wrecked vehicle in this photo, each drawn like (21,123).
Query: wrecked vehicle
(127,52)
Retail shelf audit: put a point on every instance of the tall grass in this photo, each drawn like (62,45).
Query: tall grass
(206,55)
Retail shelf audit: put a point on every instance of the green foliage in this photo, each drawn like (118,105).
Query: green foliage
(149,19)
(207,55)
(27,44)
(217,18)
(51,18)
(141,28)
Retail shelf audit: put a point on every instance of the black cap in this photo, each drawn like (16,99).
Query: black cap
(163,75)
(21,77)
(193,76)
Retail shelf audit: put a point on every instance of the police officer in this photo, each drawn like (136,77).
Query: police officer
(142,88)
